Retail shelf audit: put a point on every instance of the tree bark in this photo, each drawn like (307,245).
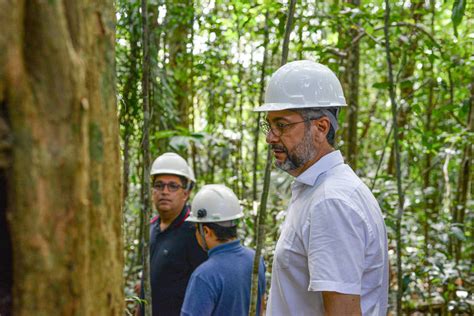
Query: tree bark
(464,181)
(57,85)
(351,83)
(397,158)
(128,110)
(407,69)
(145,190)
(180,19)
(260,102)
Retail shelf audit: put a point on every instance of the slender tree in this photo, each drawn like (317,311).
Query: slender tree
(145,193)
(266,183)
(464,181)
(351,84)
(260,102)
(397,158)
(180,23)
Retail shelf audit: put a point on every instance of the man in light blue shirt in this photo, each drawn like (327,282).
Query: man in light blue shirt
(331,257)
(220,285)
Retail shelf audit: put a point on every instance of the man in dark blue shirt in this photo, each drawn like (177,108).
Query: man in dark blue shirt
(220,285)
(174,251)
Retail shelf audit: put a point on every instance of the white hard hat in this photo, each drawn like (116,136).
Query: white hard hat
(215,203)
(171,163)
(302,84)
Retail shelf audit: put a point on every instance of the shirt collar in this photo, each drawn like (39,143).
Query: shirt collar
(228,246)
(327,162)
(178,221)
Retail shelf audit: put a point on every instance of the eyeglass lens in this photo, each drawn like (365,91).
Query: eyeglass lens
(172,186)
(265,127)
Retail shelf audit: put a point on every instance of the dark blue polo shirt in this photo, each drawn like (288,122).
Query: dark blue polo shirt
(174,254)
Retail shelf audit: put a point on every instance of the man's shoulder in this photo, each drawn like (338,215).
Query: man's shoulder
(186,225)
(249,252)
(340,183)
(185,230)
(206,270)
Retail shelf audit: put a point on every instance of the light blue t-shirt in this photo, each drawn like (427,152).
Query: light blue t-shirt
(221,284)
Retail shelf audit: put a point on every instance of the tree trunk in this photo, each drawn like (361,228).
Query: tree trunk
(407,70)
(351,84)
(145,188)
(129,105)
(464,182)
(260,102)
(266,182)
(180,17)
(396,140)
(57,90)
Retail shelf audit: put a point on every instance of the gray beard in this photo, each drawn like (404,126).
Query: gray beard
(301,154)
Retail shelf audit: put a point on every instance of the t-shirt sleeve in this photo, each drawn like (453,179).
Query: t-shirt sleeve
(199,298)
(337,239)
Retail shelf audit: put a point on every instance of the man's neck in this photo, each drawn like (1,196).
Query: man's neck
(166,219)
(214,243)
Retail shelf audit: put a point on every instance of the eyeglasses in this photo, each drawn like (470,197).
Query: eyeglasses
(279,127)
(172,186)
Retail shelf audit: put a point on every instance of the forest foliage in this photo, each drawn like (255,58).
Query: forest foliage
(209,61)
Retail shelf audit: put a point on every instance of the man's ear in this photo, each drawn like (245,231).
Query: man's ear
(207,231)
(187,193)
(322,125)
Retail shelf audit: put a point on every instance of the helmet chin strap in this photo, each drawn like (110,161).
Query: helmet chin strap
(203,237)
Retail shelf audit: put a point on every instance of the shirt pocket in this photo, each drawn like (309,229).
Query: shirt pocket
(284,248)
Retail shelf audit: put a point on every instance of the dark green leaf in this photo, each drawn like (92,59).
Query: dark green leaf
(381,85)
(459,6)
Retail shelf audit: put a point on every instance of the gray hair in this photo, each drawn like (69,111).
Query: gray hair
(315,113)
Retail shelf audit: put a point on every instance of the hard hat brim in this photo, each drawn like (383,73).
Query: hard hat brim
(172,172)
(271,107)
(193,219)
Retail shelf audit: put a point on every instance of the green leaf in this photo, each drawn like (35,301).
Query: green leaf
(197,135)
(381,85)
(165,134)
(179,142)
(459,6)
(406,282)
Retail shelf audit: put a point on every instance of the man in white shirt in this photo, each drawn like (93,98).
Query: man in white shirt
(331,257)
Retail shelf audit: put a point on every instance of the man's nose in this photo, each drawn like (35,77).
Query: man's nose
(166,189)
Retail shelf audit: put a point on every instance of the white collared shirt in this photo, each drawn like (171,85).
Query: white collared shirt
(333,239)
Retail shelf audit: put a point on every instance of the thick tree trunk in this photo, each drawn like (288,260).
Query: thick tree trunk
(57,87)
